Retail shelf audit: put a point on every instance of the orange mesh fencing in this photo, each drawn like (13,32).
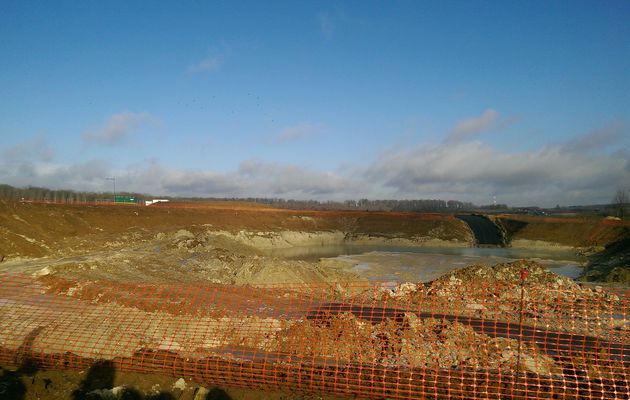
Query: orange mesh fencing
(447,339)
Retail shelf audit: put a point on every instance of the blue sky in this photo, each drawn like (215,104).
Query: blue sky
(525,101)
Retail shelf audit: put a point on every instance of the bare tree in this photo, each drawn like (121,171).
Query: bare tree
(620,201)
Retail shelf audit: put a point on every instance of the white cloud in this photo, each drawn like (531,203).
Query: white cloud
(472,126)
(215,59)
(476,171)
(118,127)
(297,132)
(466,170)
(209,64)
(326,25)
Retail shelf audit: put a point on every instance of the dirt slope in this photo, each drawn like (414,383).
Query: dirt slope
(573,232)
(35,230)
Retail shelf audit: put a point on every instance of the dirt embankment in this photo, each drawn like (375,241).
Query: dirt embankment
(218,243)
(605,241)
(586,232)
(610,265)
(226,241)
(36,230)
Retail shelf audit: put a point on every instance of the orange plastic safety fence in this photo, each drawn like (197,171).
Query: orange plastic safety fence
(447,339)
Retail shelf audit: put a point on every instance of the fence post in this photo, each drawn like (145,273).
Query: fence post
(520,330)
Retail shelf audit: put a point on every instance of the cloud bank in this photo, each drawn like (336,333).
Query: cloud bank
(586,169)
(476,171)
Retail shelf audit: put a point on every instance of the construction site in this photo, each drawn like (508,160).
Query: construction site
(229,300)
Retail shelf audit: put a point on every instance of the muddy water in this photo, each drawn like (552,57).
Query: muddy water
(385,263)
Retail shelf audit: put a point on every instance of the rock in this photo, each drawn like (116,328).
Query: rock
(183,234)
(42,272)
(202,393)
(475,306)
(180,384)
(403,290)
(102,394)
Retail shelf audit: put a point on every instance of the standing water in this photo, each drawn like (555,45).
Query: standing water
(426,263)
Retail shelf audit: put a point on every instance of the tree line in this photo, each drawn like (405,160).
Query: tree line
(36,193)
(618,207)
(424,205)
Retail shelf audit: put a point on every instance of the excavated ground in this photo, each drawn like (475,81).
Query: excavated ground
(227,243)
(604,240)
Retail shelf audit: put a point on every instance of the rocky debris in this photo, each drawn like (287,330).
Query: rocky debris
(503,283)
(417,343)
(536,275)
(436,343)
(498,293)
(403,290)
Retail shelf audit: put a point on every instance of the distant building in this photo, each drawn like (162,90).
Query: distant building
(149,202)
(125,199)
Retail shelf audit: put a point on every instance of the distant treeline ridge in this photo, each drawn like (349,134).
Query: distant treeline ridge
(35,193)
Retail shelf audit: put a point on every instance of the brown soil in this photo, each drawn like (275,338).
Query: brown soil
(112,257)
(605,241)
(35,230)
(569,231)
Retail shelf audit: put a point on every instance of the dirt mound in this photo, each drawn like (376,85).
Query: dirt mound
(498,293)
(535,274)
(419,343)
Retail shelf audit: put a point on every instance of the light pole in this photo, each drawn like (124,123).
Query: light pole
(113,179)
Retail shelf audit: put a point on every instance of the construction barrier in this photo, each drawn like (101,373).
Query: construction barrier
(449,339)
